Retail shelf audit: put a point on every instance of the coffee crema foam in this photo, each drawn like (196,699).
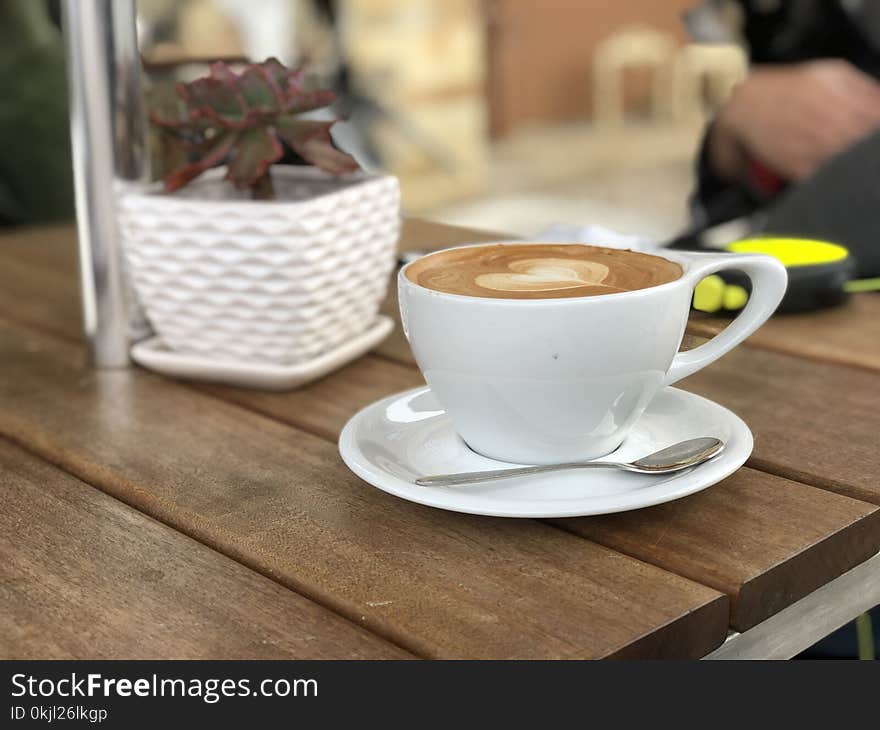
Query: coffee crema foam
(540,271)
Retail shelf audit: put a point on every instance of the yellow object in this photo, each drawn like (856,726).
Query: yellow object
(735,297)
(709,294)
(792,251)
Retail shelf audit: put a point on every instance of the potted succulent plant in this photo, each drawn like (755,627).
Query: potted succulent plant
(257,263)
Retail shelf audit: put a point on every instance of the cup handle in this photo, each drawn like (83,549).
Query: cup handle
(769,280)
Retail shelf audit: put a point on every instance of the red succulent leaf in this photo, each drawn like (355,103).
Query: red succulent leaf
(213,156)
(294,95)
(276,71)
(306,101)
(240,117)
(213,118)
(157,119)
(293,83)
(312,141)
(183,127)
(222,72)
(255,151)
(165,106)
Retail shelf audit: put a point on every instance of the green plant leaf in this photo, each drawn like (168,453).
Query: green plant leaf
(255,151)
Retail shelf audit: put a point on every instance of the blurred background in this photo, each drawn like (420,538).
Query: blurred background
(508,115)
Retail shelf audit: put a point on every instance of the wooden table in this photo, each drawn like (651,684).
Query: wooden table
(143,517)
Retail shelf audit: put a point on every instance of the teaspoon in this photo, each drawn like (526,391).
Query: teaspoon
(673,458)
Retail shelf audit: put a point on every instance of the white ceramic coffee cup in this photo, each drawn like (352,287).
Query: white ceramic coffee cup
(540,381)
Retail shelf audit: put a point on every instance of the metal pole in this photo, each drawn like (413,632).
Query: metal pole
(132,159)
(108,145)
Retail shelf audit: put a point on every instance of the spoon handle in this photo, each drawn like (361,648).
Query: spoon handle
(477,477)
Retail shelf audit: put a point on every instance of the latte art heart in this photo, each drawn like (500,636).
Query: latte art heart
(545,275)
(540,271)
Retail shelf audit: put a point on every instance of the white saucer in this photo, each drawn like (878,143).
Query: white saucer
(394,441)
(154,355)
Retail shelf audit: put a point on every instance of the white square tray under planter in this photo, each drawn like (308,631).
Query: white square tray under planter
(154,355)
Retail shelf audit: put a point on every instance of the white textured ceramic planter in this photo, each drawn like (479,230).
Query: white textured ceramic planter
(283,281)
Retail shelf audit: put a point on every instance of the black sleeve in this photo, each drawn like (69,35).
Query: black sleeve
(783,32)
(714,200)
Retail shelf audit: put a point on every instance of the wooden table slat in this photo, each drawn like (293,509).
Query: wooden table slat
(83,576)
(845,335)
(752,532)
(50,247)
(813,422)
(776,551)
(784,399)
(325,406)
(280,501)
(764,541)
(41,298)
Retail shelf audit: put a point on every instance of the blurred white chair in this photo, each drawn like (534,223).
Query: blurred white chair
(704,76)
(633,47)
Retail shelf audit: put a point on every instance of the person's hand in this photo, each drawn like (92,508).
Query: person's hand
(792,119)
